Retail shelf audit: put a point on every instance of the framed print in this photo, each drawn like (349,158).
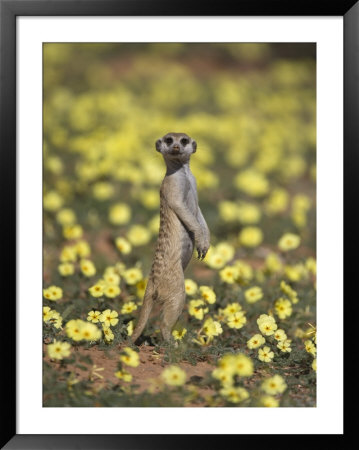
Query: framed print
(174,196)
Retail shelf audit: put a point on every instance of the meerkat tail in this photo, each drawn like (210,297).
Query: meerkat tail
(144,315)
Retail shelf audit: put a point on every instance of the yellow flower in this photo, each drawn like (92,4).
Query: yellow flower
(174,376)
(214,259)
(73,329)
(284,346)
(178,334)
(288,241)
(211,328)
(255,341)
(310,347)
(225,250)
(123,245)
(301,202)
(196,308)
(274,385)
(273,263)
(234,394)
(66,269)
(248,213)
(129,328)
(311,265)
(141,288)
(190,287)
(82,249)
(46,313)
(89,332)
(68,254)
(97,290)
(94,316)
(123,375)
(132,275)
(138,235)
(252,183)
(58,350)
(242,365)
(56,319)
(77,330)
(268,401)
(277,201)
(228,211)
(87,267)
(53,293)
(107,333)
(112,278)
(245,272)
(280,335)
(102,190)
(314,364)
(227,362)
(283,308)
(130,357)
(119,214)
(224,376)
(128,307)
(150,198)
(295,272)
(265,354)
(231,309)
(66,216)
(208,294)
(111,291)
(236,320)
(253,294)
(251,236)
(72,231)
(266,324)
(229,274)
(109,318)
(52,201)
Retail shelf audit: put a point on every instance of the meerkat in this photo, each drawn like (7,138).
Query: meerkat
(182,228)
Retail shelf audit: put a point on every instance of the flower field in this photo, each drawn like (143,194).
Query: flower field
(247,335)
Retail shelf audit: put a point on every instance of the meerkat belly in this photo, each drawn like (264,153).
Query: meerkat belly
(175,243)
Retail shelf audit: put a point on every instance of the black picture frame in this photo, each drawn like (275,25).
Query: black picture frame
(9,11)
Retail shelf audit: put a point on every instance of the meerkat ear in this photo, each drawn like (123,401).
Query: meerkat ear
(158,144)
(194,146)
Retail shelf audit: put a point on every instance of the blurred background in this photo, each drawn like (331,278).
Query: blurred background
(250,107)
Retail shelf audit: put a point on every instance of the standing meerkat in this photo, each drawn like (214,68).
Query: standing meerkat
(182,227)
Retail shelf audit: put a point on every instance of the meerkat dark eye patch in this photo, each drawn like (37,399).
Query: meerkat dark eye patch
(169,141)
(184,141)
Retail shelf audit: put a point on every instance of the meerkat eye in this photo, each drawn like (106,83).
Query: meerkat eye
(184,141)
(169,141)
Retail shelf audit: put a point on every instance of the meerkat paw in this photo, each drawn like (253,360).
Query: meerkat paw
(202,246)
(201,254)
(202,251)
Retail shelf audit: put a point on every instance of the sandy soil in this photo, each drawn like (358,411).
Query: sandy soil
(150,368)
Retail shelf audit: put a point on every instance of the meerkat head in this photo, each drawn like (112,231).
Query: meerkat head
(176,146)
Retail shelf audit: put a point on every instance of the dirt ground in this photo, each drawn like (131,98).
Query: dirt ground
(149,370)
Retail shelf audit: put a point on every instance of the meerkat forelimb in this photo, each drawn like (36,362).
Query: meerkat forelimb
(182,227)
